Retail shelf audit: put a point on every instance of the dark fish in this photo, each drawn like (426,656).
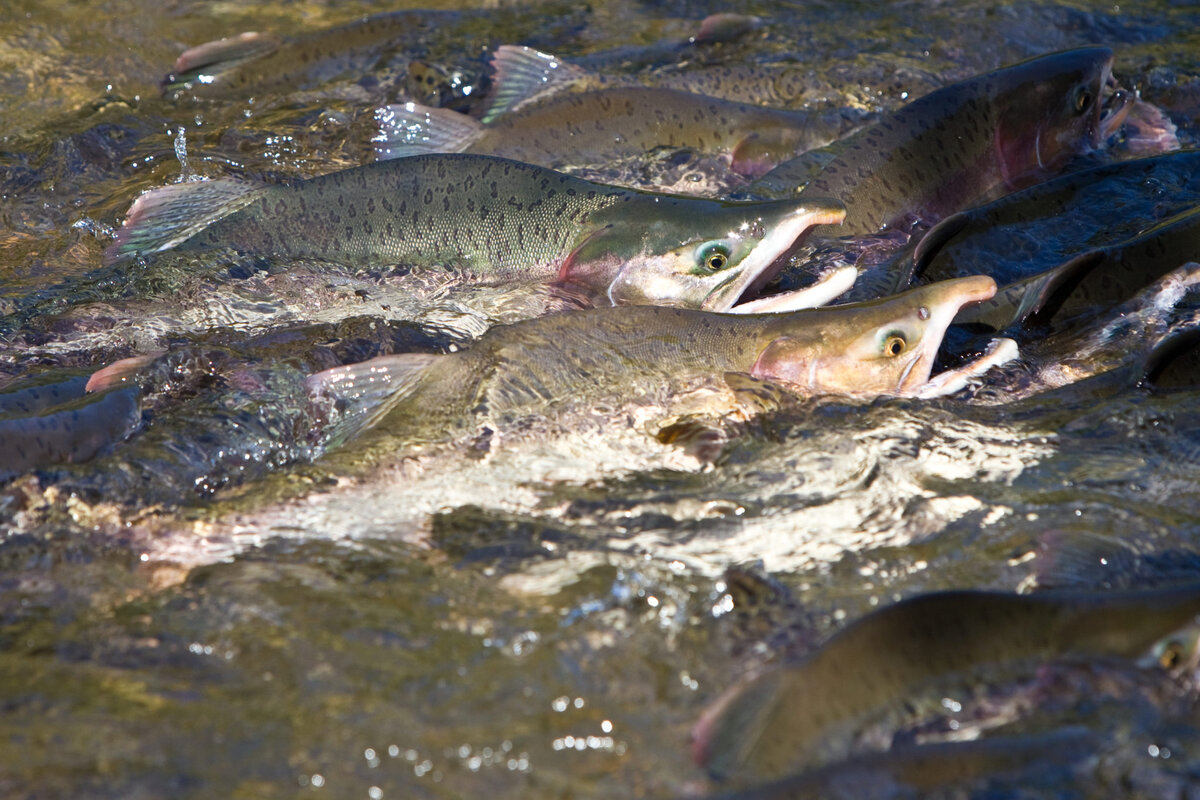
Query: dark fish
(966,142)
(495,221)
(789,717)
(1116,349)
(1027,232)
(57,423)
(1094,279)
(881,347)
(528,122)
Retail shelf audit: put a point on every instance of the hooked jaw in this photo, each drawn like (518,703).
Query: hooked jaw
(941,311)
(767,259)
(880,347)
(1112,111)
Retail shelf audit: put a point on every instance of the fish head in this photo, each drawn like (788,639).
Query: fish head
(693,253)
(1054,107)
(880,347)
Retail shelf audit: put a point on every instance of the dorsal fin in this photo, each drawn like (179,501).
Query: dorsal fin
(523,75)
(934,240)
(411,129)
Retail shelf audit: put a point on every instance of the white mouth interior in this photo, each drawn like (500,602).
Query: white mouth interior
(828,286)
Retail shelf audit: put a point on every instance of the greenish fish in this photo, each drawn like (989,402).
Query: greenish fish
(562,129)
(1095,279)
(531,367)
(790,717)
(497,221)
(524,76)
(966,142)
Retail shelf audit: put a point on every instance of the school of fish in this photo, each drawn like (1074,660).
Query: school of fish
(662,292)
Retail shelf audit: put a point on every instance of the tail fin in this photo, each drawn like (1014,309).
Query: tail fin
(205,61)
(410,129)
(358,396)
(523,75)
(170,215)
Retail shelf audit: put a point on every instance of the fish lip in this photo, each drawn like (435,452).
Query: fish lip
(1113,115)
(768,258)
(967,291)
(1111,110)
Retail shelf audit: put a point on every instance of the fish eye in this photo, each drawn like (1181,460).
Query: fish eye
(1083,98)
(894,345)
(711,257)
(1171,655)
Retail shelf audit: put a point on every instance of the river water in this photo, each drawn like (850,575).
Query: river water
(203,612)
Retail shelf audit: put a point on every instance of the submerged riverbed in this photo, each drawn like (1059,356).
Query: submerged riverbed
(202,611)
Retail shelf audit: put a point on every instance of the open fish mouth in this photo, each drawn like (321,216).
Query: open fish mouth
(1114,108)
(829,285)
(917,379)
(770,257)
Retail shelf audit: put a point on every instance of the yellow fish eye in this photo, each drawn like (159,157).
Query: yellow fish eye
(711,257)
(1083,98)
(1171,655)
(894,345)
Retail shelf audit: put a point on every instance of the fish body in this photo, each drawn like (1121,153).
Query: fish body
(258,63)
(525,76)
(536,366)
(966,142)
(603,125)
(491,220)
(789,717)
(255,62)
(1027,232)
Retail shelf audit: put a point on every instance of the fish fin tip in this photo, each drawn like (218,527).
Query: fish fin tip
(358,396)
(522,75)
(726,27)
(119,373)
(410,129)
(167,216)
(725,736)
(936,238)
(221,55)
(1048,292)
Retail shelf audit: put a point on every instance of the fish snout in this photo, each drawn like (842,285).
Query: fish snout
(954,295)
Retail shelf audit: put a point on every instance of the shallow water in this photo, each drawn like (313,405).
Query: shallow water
(203,612)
